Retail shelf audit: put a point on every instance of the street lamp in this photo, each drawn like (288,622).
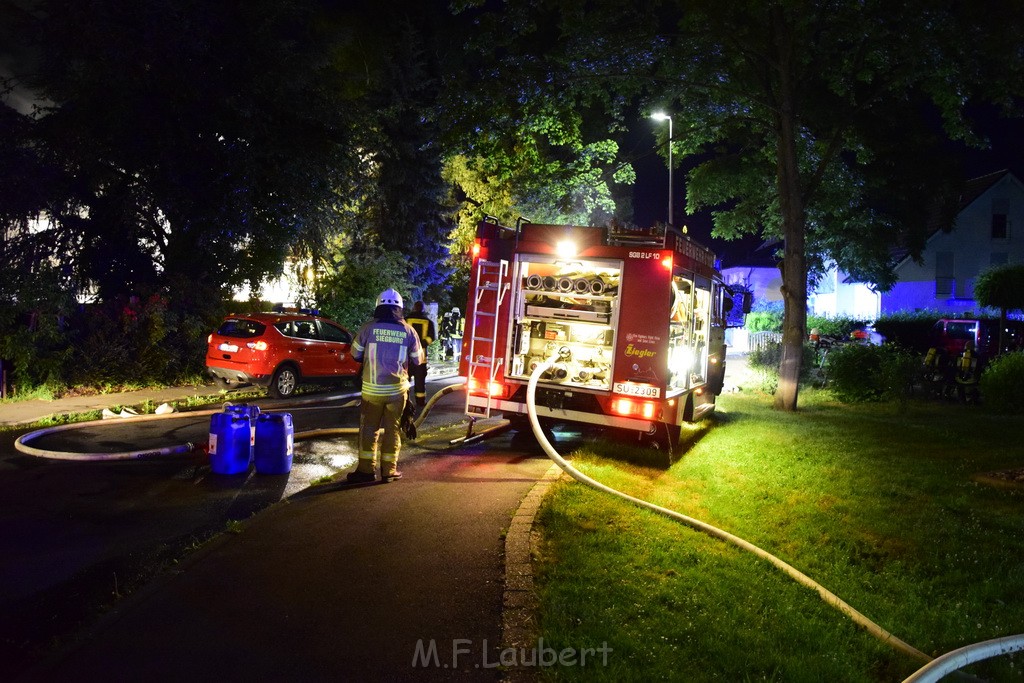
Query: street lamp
(662,116)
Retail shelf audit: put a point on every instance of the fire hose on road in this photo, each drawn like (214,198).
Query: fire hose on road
(22,443)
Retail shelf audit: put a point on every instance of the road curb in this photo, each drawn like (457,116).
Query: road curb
(519,601)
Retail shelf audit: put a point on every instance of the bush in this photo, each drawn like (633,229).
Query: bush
(841,327)
(1002,383)
(34,322)
(864,372)
(764,316)
(765,362)
(128,342)
(136,342)
(909,329)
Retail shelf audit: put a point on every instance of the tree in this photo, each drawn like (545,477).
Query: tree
(407,207)
(185,148)
(794,107)
(1001,287)
(516,147)
(203,142)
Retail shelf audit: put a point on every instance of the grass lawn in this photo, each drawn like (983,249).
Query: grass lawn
(879,503)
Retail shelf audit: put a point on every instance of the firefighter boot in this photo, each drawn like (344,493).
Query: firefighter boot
(389,467)
(365,470)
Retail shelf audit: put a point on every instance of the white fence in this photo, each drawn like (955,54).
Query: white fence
(741,341)
(759,340)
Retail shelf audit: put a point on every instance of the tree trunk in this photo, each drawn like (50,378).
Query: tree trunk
(791,201)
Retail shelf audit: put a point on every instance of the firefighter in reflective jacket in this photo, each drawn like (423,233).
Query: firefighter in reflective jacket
(386,347)
(452,329)
(424,327)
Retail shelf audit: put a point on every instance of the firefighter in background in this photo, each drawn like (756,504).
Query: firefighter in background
(452,328)
(424,327)
(386,347)
(968,371)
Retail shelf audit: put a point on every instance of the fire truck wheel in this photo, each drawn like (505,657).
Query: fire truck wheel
(664,438)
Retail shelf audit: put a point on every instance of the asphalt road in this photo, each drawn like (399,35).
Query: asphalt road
(75,537)
(400,581)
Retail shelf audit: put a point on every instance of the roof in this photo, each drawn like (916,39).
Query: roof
(978,186)
(971,191)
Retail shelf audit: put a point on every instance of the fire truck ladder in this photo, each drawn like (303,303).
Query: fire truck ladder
(492,285)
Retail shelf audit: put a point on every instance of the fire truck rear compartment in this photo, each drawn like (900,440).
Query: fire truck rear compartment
(630,327)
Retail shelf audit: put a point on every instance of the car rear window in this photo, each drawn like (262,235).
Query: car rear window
(961,330)
(241,328)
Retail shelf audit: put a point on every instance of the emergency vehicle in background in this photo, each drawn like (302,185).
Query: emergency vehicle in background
(632,322)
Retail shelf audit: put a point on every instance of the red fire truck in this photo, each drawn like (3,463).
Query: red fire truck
(632,323)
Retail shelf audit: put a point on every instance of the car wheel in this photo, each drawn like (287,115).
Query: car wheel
(284,382)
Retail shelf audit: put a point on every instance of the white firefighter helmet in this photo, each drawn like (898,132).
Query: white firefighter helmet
(389,297)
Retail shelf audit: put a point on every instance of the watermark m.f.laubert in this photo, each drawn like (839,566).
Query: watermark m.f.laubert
(465,651)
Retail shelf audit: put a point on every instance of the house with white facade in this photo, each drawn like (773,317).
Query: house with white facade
(988,231)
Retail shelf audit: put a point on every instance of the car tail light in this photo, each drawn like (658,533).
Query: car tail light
(210,338)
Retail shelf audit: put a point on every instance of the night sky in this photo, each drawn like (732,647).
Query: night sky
(650,194)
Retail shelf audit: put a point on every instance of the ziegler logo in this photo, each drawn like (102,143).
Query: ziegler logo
(634,352)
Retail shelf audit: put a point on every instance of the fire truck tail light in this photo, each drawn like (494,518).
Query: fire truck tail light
(496,389)
(667,262)
(629,407)
(622,406)
(475,250)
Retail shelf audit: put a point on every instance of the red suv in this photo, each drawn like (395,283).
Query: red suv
(279,351)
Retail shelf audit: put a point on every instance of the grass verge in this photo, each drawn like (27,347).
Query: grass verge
(877,504)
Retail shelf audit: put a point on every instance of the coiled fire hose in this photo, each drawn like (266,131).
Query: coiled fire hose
(933,671)
(22,442)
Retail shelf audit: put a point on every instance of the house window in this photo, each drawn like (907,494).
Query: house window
(1000,221)
(945,282)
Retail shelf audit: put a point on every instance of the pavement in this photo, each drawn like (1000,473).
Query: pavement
(425,578)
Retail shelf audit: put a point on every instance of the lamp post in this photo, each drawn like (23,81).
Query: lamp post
(662,116)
